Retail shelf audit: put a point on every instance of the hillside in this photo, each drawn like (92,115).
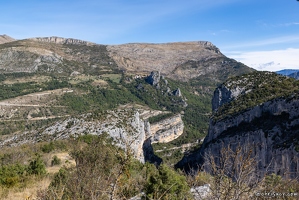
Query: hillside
(84,73)
(5,39)
(180,61)
(127,105)
(256,112)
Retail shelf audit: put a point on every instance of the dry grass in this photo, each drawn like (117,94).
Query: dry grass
(65,158)
(25,193)
(100,83)
(37,184)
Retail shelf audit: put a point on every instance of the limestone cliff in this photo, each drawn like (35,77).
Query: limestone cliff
(270,128)
(167,130)
(128,126)
(60,40)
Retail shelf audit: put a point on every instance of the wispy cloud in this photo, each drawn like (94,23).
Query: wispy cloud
(219,32)
(264,24)
(269,60)
(291,24)
(265,42)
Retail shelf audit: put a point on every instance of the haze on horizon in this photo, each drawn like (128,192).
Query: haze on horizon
(262,34)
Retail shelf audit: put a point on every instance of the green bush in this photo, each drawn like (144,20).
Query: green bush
(165,183)
(55,145)
(11,175)
(55,161)
(37,166)
(60,178)
(47,148)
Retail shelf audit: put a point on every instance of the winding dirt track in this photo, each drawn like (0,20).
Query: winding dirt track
(33,101)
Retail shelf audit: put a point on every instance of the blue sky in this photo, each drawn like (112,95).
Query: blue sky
(260,33)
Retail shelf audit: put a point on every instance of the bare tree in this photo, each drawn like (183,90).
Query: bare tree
(234,172)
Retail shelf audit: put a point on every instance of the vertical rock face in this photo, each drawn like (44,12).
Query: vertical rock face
(271,129)
(167,130)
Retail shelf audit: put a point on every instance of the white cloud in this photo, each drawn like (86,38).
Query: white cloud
(269,60)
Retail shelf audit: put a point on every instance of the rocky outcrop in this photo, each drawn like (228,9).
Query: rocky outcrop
(228,92)
(271,129)
(153,78)
(177,92)
(5,39)
(60,40)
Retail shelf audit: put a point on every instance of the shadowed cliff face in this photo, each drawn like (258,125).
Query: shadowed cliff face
(271,129)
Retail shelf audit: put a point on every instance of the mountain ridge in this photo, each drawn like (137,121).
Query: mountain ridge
(6,39)
(178,60)
(287,72)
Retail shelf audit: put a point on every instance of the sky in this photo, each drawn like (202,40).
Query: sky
(262,34)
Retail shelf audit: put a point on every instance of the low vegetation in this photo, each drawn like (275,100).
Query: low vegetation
(258,87)
(104,171)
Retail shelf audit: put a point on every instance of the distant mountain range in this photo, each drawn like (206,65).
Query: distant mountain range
(294,73)
(287,72)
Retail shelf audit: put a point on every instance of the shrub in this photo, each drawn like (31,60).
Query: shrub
(165,183)
(11,175)
(37,166)
(55,161)
(47,148)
